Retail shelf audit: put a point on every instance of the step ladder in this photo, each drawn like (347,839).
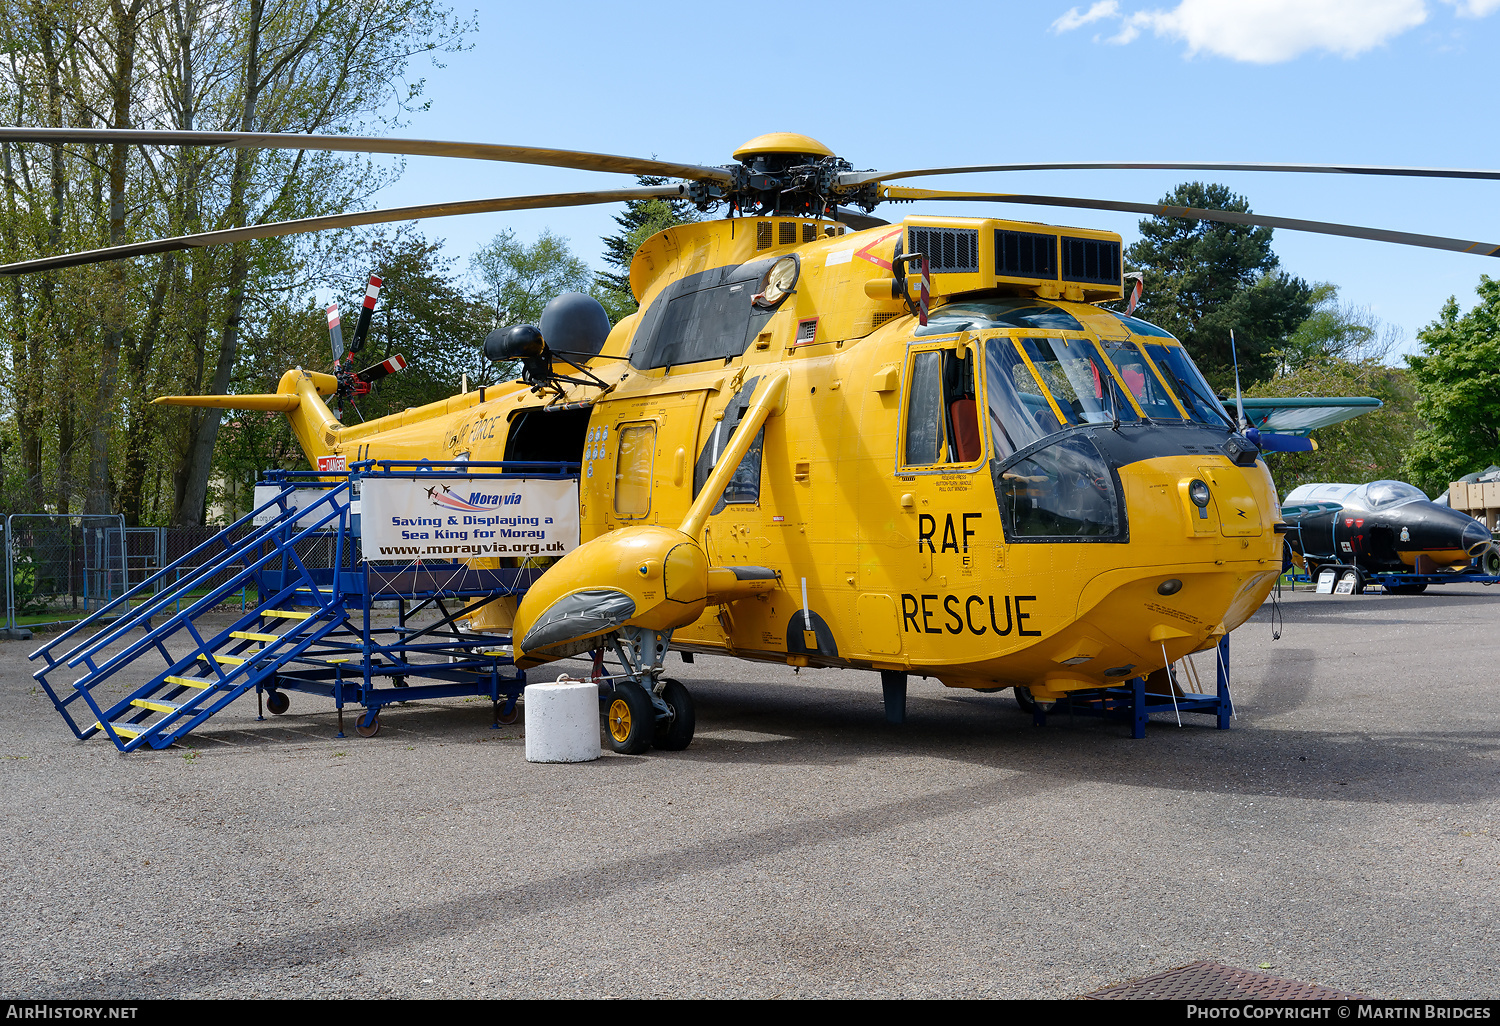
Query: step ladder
(203,673)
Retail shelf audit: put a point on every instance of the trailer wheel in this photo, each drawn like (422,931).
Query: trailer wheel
(1406,589)
(277,702)
(631,719)
(370,729)
(504,718)
(1354,579)
(679,735)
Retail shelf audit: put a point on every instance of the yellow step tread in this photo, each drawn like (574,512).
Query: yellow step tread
(228,660)
(254,636)
(146,703)
(290,614)
(191,682)
(128,729)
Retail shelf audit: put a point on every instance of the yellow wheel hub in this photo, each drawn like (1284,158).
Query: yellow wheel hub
(619,720)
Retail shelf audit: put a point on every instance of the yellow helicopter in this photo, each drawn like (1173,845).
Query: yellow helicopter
(828,440)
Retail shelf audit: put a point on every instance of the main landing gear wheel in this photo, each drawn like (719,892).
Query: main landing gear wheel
(630,719)
(677,735)
(370,729)
(277,702)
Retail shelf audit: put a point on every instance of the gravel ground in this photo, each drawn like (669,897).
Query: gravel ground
(1344,832)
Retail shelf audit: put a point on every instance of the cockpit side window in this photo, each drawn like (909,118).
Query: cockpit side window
(942,422)
(1019,413)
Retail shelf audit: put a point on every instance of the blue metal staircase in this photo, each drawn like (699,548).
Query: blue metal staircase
(312,631)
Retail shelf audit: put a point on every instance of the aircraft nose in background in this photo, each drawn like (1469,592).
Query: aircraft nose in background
(1475,533)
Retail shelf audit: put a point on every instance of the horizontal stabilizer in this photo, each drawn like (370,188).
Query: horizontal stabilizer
(272,402)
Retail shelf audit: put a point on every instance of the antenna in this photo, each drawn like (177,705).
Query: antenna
(1239,404)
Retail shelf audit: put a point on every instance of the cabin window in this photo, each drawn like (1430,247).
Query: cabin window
(634,456)
(942,422)
(744,485)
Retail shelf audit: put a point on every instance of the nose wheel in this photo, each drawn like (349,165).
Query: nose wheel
(630,719)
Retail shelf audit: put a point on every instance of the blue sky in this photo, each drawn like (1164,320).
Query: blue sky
(890,85)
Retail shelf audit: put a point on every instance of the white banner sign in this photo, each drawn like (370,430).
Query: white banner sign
(300,500)
(462,517)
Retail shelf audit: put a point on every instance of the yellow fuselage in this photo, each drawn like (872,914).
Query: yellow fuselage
(905,566)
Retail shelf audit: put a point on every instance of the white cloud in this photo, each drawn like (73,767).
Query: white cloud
(1105,9)
(1270,31)
(1474,8)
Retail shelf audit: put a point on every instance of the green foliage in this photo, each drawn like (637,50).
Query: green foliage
(516,281)
(426,315)
(87,348)
(1369,447)
(1204,278)
(640,220)
(1457,381)
(1340,350)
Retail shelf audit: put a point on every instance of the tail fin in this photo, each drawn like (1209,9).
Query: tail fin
(299,395)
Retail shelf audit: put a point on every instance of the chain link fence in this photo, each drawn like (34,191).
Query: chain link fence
(60,567)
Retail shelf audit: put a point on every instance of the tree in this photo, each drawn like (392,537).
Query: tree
(640,220)
(89,346)
(1457,381)
(426,315)
(516,281)
(1204,279)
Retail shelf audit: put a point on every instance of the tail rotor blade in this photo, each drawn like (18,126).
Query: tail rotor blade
(372,294)
(335,332)
(372,374)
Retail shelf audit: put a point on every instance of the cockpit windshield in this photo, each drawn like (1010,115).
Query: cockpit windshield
(1381,494)
(1192,392)
(1080,381)
(1150,394)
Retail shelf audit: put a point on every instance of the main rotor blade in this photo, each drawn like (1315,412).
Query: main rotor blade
(317,224)
(372,144)
(897,192)
(852,179)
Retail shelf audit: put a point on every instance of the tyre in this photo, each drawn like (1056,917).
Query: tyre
(1029,704)
(677,735)
(277,702)
(1350,582)
(630,719)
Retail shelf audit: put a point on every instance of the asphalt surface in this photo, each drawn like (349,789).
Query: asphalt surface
(1344,832)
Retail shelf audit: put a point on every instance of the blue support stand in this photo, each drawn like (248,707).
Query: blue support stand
(1132,703)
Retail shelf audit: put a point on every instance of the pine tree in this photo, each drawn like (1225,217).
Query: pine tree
(640,220)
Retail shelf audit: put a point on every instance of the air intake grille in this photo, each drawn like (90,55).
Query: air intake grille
(786,233)
(809,233)
(948,250)
(1091,260)
(762,234)
(1025,254)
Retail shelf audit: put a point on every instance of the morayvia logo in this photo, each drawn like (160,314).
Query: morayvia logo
(443,497)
